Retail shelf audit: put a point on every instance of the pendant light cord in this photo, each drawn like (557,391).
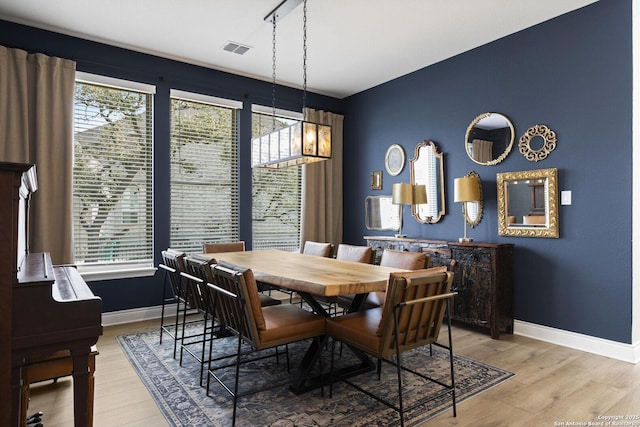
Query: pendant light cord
(273,74)
(304,56)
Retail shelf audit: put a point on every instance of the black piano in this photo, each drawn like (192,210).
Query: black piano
(43,308)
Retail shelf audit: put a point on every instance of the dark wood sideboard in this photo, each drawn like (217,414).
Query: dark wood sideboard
(483,277)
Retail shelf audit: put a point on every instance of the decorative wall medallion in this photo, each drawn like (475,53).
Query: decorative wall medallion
(541,150)
(394,159)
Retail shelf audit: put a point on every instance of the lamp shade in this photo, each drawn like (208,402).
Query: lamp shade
(419,194)
(466,189)
(401,194)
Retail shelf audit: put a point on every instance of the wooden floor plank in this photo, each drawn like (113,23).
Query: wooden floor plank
(552,384)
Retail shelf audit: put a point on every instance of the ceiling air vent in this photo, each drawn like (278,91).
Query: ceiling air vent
(234,47)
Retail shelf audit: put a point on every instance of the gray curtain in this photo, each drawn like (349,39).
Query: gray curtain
(322,184)
(36,112)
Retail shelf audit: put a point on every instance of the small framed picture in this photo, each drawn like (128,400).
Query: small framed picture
(376,180)
(394,160)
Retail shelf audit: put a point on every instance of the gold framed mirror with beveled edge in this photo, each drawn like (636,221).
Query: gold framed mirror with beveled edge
(427,168)
(489,138)
(474,210)
(528,203)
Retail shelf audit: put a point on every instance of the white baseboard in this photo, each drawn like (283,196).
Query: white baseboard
(133,315)
(616,350)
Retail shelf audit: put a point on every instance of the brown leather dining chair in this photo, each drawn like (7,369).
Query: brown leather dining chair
(399,259)
(323,250)
(411,317)
(354,253)
(261,327)
(317,248)
(212,248)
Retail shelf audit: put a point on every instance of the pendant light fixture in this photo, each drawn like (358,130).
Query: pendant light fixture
(304,141)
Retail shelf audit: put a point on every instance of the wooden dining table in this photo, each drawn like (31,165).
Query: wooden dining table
(313,276)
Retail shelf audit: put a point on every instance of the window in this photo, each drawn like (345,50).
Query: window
(112,174)
(277,193)
(204,170)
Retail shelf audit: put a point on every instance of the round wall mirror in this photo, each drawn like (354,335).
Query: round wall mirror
(489,138)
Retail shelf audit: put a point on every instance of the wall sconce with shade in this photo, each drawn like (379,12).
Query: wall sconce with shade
(466,189)
(407,194)
(302,142)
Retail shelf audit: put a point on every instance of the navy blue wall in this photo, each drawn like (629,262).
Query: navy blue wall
(165,74)
(574,74)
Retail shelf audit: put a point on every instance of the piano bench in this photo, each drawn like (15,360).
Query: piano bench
(52,367)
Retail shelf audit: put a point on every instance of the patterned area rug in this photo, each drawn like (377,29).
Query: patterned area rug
(182,400)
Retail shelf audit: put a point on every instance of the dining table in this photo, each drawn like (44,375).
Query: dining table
(311,276)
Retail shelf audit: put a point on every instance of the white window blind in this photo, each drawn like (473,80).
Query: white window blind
(204,171)
(277,195)
(112,174)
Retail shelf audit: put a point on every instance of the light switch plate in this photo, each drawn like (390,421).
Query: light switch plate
(565,197)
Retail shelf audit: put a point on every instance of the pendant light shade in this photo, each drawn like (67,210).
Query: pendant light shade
(299,143)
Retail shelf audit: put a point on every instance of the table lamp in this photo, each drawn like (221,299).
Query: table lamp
(466,190)
(407,194)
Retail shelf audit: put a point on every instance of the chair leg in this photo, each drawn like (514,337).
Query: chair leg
(453,383)
(399,370)
(204,345)
(175,327)
(164,299)
(333,347)
(237,380)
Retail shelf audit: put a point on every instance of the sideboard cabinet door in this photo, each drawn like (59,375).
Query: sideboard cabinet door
(484,282)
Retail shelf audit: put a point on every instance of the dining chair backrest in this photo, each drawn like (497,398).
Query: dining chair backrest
(418,301)
(405,260)
(317,248)
(211,248)
(354,253)
(238,304)
(200,267)
(174,261)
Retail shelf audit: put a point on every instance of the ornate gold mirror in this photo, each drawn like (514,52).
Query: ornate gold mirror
(528,203)
(473,211)
(427,168)
(381,214)
(489,138)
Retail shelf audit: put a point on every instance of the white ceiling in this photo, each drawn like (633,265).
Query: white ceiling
(352,45)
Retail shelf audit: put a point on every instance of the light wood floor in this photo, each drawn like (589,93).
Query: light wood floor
(552,385)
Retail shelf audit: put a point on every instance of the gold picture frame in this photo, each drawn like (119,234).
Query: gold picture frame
(376,180)
(536,213)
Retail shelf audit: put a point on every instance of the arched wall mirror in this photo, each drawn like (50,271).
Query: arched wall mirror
(474,210)
(427,167)
(528,203)
(381,214)
(489,138)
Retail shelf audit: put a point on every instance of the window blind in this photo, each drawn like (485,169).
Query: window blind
(277,194)
(204,171)
(112,172)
